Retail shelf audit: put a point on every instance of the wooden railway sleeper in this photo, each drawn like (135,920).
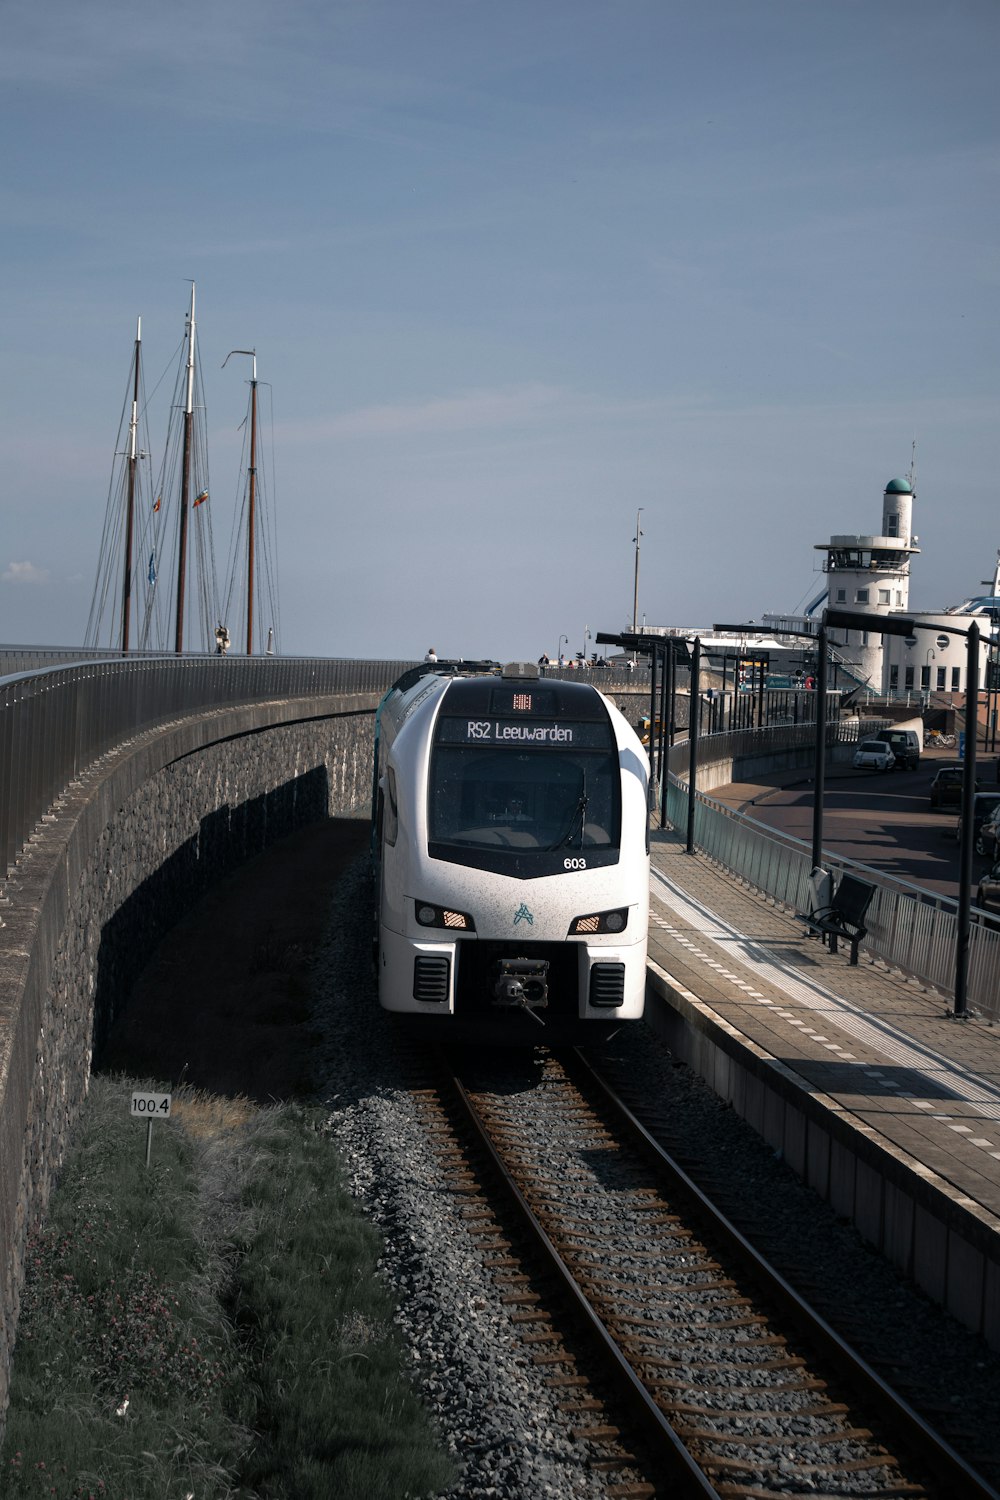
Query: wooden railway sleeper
(729,1490)
(591,1234)
(718,1464)
(657,1336)
(598,1264)
(628,1319)
(703,1324)
(644,1220)
(608,1465)
(749,1414)
(761,1440)
(787,1362)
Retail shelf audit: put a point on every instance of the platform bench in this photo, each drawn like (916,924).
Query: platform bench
(844,917)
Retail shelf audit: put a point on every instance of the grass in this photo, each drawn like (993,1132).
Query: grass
(212,1325)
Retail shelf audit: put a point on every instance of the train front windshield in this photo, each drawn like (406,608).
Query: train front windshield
(524,797)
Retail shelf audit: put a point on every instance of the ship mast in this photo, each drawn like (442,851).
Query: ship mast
(252,503)
(133,459)
(185,482)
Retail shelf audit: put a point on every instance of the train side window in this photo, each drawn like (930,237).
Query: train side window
(391,817)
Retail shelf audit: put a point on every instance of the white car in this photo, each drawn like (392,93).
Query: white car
(873,755)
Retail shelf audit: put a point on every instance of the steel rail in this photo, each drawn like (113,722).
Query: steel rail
(650,1416)
(947,1466)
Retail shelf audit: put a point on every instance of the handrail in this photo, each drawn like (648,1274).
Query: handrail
(909,927)
(56,721)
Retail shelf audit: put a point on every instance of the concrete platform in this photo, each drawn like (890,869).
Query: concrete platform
(883,1102)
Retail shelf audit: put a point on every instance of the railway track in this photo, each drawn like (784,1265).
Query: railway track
(685,1365)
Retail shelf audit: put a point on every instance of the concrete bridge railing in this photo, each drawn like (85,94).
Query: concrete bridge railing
(55,722)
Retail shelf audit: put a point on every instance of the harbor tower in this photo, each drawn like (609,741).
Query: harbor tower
(871,575)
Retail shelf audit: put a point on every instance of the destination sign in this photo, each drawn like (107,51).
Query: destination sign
(559,734)
(530,699)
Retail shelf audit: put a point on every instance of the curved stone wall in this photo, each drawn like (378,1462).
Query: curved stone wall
(124,852)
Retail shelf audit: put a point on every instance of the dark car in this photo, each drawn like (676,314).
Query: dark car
(946,788)
(984,805)
(905,746)
(988,833)
(988,890)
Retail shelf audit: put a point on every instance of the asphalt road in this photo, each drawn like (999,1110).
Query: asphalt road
(880,819)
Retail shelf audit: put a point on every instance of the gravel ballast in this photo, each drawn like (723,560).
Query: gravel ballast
(493,1410)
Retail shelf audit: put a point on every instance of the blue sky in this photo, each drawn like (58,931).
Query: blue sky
(511,273)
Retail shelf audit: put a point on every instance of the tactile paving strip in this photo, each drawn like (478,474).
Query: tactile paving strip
(924,1064)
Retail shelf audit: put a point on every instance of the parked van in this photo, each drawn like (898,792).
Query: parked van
(905,746)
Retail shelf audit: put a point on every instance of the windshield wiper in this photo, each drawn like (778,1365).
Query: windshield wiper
(579,814)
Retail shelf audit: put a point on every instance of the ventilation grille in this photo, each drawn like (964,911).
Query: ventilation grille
(607,985)
(430,978)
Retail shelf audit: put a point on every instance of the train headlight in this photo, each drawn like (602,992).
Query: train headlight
(442,916)
(599,921)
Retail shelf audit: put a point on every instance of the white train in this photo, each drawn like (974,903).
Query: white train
(511,851)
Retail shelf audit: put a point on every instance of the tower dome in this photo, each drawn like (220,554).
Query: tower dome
(870,575)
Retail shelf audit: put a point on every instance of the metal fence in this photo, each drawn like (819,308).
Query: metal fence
(54,723)
(33,658)
(910,928)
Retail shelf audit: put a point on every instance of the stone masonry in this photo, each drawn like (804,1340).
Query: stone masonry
(126,850)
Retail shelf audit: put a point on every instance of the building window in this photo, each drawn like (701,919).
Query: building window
(841,596)
(908,679)
(955,678)
(894,679)
(892,526)
(925,678)
(861,597)
(864,637)
(899,598)
(885,596)
(941,671)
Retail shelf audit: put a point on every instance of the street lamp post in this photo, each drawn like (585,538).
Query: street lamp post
(694,727)
(968,807)
(664,653)
(888,625)
(819,764)
(822,660)
(655,765)
(666,719)
(559,655)
(990,727)
(635,588)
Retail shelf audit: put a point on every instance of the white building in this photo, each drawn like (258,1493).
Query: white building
(871,575)
(931,660)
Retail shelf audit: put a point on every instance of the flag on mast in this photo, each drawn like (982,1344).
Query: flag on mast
(200,499)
